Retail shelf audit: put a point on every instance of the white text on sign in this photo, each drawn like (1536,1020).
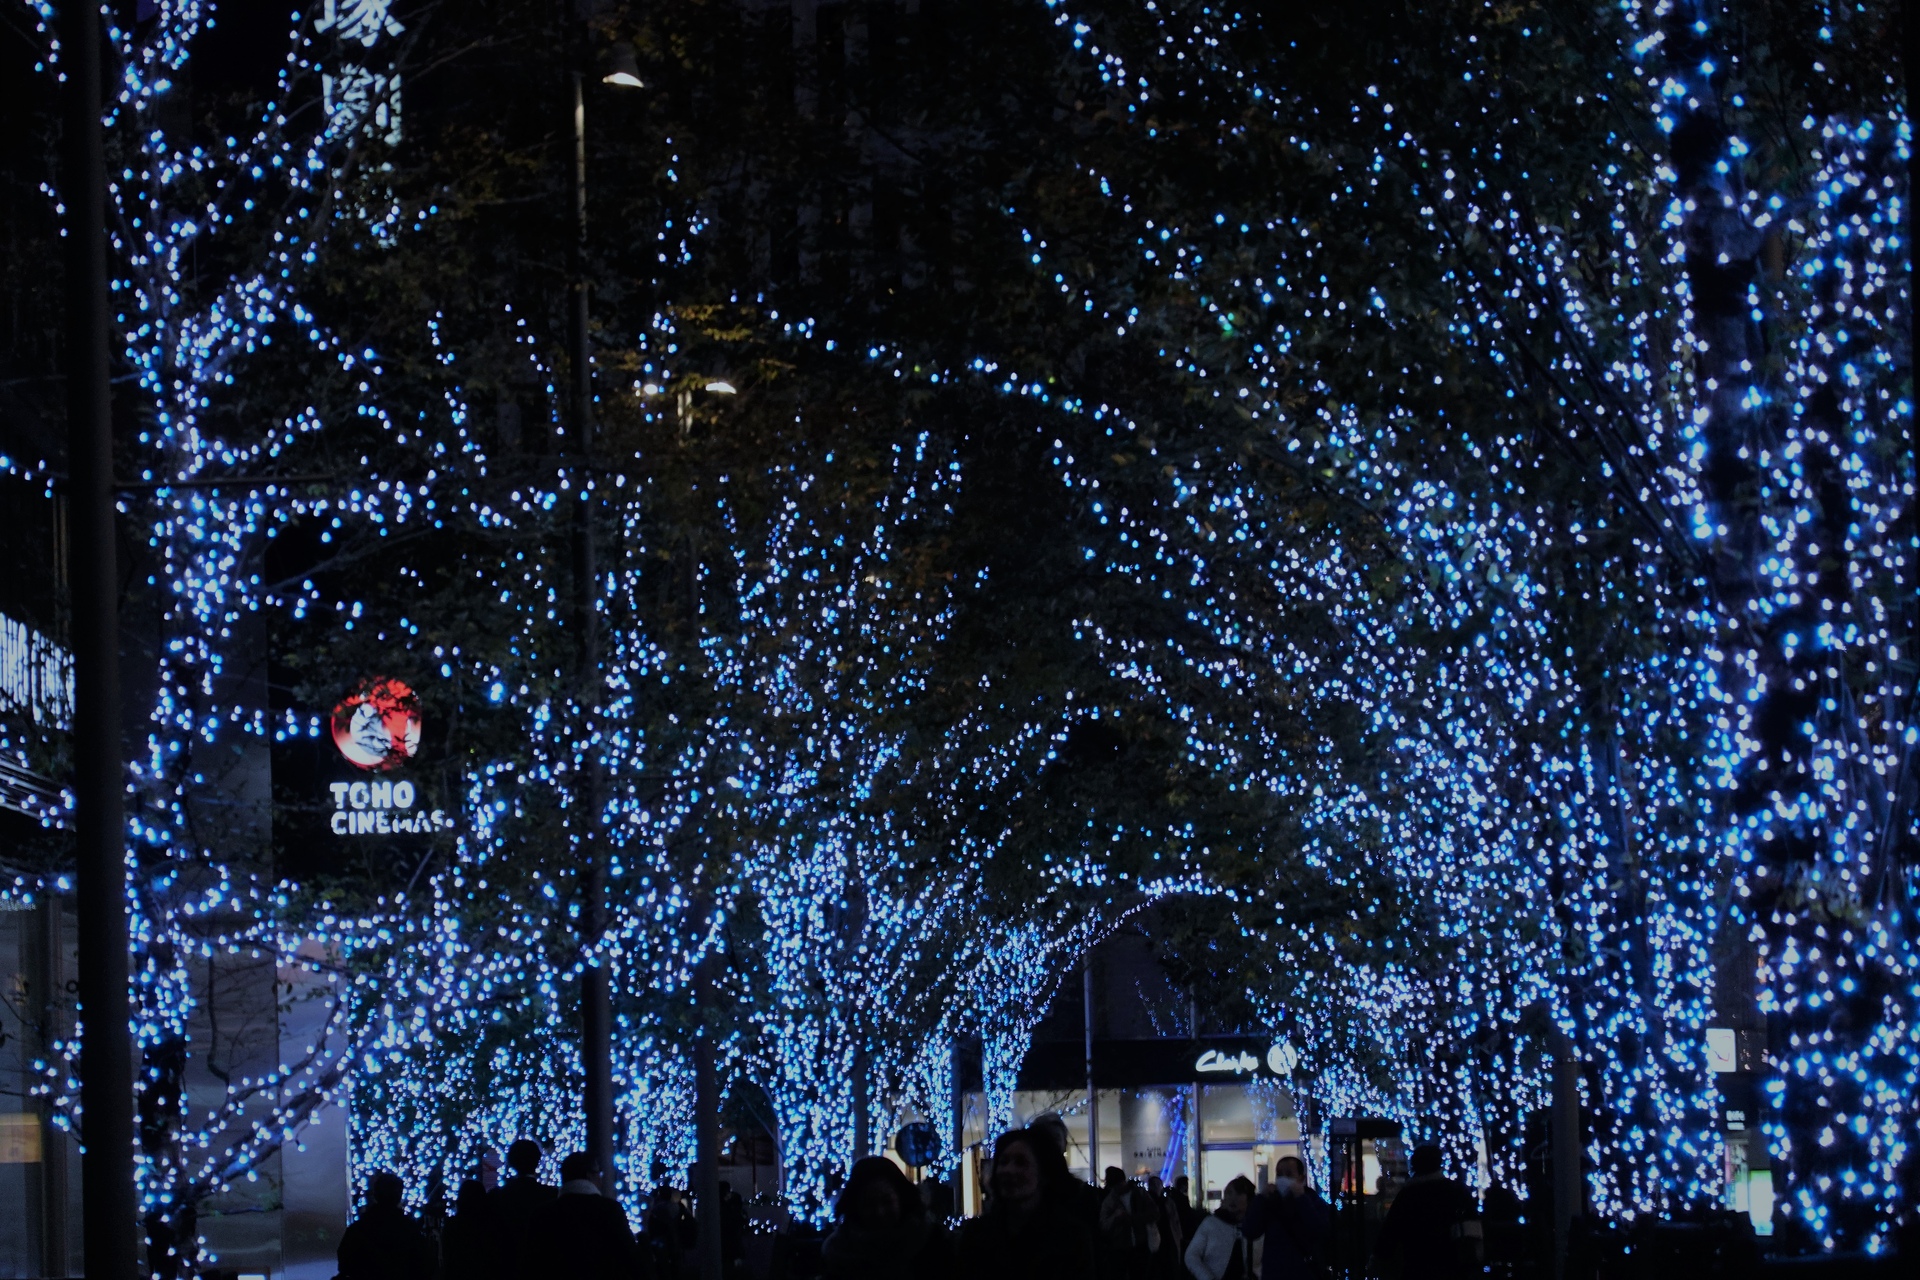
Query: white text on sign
(382,808)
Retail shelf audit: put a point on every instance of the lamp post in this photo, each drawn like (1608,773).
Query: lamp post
(1093,1094)
(706,1126)
(99,782)
(1569,1190)
(98,776)
(596,984)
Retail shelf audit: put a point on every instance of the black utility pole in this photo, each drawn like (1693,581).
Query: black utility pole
(1569,1187)
(596,985)
(706,1127)
(106,1047)
(956,1123)
(1093,1094)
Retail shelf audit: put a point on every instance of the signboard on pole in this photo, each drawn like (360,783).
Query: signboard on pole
(356,787)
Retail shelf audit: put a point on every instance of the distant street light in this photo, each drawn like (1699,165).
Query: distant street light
(626,68)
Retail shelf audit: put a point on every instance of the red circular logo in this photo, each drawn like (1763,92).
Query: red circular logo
(378,725)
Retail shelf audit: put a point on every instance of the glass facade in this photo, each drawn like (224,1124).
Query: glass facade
(39,1163)
(1207,1133)
(285,1222)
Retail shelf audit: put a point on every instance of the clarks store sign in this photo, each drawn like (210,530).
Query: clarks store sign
(1137,1063)
(1279,1060)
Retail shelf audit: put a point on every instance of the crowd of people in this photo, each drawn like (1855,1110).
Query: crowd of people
(520,1227)
(1039,1223)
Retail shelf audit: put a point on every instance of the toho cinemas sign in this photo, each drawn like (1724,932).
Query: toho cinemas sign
(382,808)
(376,728)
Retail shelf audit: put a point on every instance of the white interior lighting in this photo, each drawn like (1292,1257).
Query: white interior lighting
(1723,1053)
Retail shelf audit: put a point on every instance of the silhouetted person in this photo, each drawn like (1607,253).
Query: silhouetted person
(1292,1218)
(1084,1196)
(514,1202)
(666,1226)
(1219,1250)
(937,1195)
(1504,1237)
(579,1234)
(1125,1216)
(733,1229)
(1052,1126)
(881,1230)
(385,1242)
(468,1246)
(433,1216)
(1190,1212)
(1169,1239)
(1035,1228)
(1419,1232)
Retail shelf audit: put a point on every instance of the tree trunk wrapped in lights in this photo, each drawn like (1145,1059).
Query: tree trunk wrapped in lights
(1788,157)
(212,240)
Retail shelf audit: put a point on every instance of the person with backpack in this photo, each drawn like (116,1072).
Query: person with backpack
(1423,1231)
(667,1227)
(1166,1241)
(1218,1250)
(1127,1230)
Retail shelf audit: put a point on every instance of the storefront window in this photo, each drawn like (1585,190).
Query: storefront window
(1151,1132)
(1244,1128)
(39,1164)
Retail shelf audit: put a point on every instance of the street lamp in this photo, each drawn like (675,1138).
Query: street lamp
(596,984)
(596,1004)
(625,68)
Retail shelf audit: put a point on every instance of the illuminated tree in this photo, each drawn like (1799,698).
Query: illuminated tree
(1373,558)
(1459,346)
(1433,483)
(1787,176)
(211,238)
(1373,580)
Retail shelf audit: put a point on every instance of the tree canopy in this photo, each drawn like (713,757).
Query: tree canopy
(1422,491)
